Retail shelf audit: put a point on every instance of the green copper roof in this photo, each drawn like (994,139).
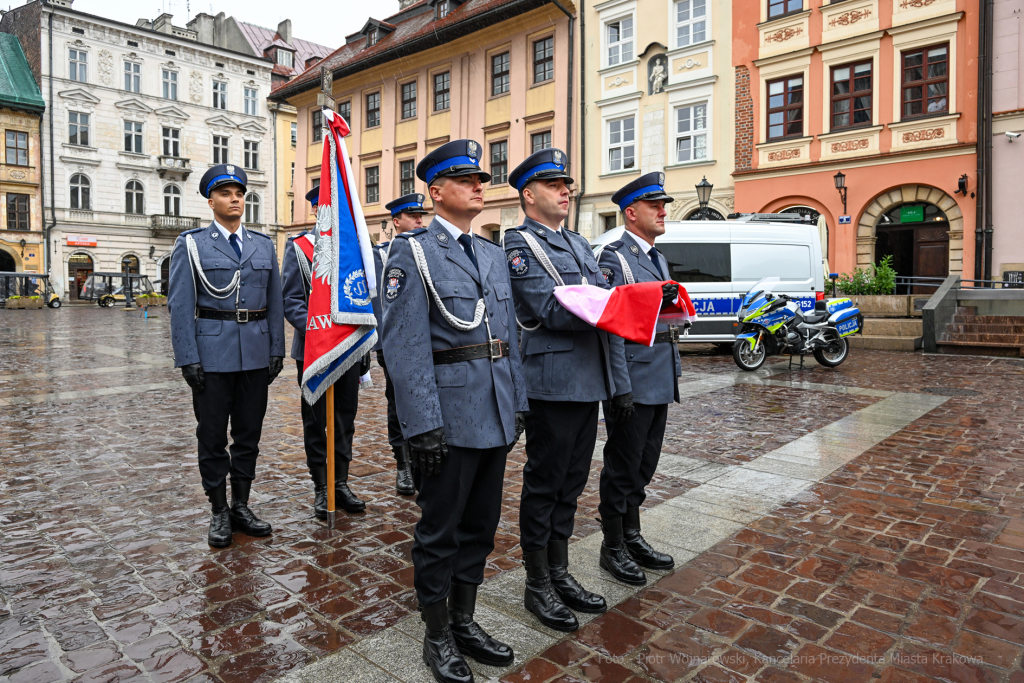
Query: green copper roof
(18,90)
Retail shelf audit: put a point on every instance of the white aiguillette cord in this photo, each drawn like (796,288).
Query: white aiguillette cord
(197,267)
(480,315)
(546,264)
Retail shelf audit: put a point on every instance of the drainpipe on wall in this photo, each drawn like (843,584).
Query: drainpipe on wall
(53,210)
(568,125)
(583,115)
(987,20)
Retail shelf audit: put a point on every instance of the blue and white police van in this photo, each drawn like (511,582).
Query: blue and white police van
(718,262)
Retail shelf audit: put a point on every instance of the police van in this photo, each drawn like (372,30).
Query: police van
(718,262)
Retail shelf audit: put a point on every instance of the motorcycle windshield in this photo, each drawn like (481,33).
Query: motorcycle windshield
(763,287)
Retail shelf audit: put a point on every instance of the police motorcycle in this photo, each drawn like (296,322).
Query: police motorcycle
(773,324)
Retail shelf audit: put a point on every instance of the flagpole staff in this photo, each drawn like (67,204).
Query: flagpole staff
(325,99)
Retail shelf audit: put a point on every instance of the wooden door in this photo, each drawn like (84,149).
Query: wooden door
(931,253)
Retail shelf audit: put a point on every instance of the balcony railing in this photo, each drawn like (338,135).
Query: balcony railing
(162,222)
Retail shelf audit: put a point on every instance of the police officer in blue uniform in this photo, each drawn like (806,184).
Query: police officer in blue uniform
(570,368)
(227,331)
(406,214)
(451,348)
(296,285)
(634,444)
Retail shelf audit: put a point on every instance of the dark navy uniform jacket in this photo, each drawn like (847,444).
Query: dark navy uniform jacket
(475,401)
(652,369)
(296,294)
(565,359)
(225,345)
(379,254)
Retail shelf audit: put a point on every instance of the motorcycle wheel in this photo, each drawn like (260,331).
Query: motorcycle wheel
(833,354)
(747,358)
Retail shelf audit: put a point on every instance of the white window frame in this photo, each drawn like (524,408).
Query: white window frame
(621,43)
(253,207)
(79,126)
(285,58)
(78,64)
(221,152)
(138,198)
(220,95)
(251,155)
(251,100)
(172,141)
(136,132)
(169,84)
(172,200)
(621,145)
(693,133)
(132,76)
(691,23)
(295,133)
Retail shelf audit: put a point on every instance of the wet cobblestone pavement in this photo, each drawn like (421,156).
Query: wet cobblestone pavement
(835,525)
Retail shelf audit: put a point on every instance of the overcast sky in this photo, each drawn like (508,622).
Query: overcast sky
(326,22)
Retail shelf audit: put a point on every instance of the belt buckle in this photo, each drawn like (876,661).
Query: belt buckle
(238,315)
(674,334)
(494,346)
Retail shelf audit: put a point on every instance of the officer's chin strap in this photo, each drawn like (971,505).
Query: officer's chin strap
(197,267)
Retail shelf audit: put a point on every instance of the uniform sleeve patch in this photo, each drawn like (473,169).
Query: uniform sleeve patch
(518,262)
(608,274)
(394,283)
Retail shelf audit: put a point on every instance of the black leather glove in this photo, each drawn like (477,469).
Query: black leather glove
(194,377)
(429,450)
(669,292)
(276,366)
(622,407)
(520,428)
(364,365)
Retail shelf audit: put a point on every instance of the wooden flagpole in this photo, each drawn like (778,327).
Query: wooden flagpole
(325,99)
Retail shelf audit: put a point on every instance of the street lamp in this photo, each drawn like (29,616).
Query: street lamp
(22,243)
(840,179)
(703,197)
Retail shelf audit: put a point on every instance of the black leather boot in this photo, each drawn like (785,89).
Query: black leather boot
(575,596)
(615,558)
(403,477)
(343,495)
(470,637)
(541,598)
(319,477)
(220,521)
(639,549)
(242,518)
(440,652)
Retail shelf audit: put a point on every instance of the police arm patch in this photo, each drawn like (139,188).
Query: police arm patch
(608,274)
(394,283)
(518,262)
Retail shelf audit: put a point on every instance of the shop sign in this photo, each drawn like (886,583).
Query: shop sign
(911,214)
(81,241)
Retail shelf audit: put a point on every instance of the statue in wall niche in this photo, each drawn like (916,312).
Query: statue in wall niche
(195,87)
(656,74)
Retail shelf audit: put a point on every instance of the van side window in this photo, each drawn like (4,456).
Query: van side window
(698,262)
(789,262)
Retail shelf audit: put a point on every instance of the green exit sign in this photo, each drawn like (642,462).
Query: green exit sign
(911,214)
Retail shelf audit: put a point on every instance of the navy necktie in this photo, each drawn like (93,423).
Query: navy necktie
(467,244)
(233,239)
(653,253)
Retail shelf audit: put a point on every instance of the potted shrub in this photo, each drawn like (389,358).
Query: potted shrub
(33,302)
(873,291)
(14,302)
(157,299)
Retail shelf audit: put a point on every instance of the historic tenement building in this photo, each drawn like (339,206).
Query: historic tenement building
(136,114)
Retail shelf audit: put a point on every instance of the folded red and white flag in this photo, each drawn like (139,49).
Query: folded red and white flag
(629,311)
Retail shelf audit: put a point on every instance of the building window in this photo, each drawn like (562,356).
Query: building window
(17,148)
(78,129)
(372,184)
(692,133)
(409,100)
(786,108)
(778,8)
(17,211)
(443,8)
(543,60)
(373,110)
(611,221)
(926,81)
(172,201)
(691,22)
(78,65)
(170,82)
(345,109)
(851,95)
(132,76)
(250,101)
(220,149)
(539,141)
(252,209)
(499,162)
(499,74)
(220,95)
(251,156)
(291,183)
(80,192)
(622,144)
(318,125)
(406,177)
(620,41)
(134,197)
(133,137)
(295,134)
(285,58)
(442,91)
(172,142)
(374,37)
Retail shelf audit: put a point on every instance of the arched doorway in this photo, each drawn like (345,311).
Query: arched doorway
(7,263)
(165,274)
(133,263)
(916,236)
(79,268)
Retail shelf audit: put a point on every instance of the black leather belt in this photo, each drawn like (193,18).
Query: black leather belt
(242,315)
(493,349)
(669,336)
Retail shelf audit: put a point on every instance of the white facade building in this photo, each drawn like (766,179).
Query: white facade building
(136,115)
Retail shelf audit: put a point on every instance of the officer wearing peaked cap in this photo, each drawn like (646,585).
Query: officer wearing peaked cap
(227,331)
(570,368)
(296,284)
(406,214)
(634,445)
(451,347)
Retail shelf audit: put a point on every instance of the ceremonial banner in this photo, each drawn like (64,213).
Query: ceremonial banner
(340,328)
(628,311)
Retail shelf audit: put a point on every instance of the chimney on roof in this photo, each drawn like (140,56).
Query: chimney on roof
(163,23)
(284,29)
(402,4)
